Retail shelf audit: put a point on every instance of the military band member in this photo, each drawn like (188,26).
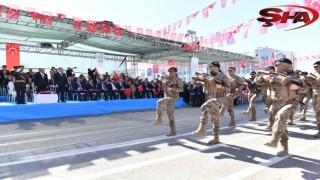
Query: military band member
(171,88)
(217,90)
(236,85)
(253,95)
(20,84)
(284,90)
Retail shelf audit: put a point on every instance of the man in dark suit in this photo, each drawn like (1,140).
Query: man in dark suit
(60,81)
(20,84)
(78,88)
(41,81)
(112,89)
(92,88)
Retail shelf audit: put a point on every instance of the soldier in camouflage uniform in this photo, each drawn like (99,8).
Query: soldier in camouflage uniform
(254,93)
(314,80)
(283,93)
(266,91)
(305,97)
(236,85)
(216,93)
(171,96)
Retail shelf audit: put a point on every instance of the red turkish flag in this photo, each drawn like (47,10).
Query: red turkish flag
(247,28)
(33,13)
(140,30)
(173,36)
(105,27)
(180,23)
(212,40)
(0,10)
(12,55)
(128,28)
(149,32)
(166,36)
(116,76)
(61,16)
(223,3)
(205,12)
(170,63)
(158,33)
(174,26)
(13,12)
(117,30)
(230,38)
(155,68)
(169,28)
(47,18)
(77,23)
(92,26)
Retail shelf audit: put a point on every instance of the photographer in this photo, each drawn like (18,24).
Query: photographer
(70,71)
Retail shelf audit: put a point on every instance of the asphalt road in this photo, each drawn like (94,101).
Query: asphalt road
(125,146)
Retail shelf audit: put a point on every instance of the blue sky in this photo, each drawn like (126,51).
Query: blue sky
(158,14)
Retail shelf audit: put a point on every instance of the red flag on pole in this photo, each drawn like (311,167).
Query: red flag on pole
(117,30)
(173,36)
(13,12)
(149,32)
(223,3)
(158,33)
(180,23)
(170,63)
(155,68)
(12,55)
(92,26)
(77,23)
(116,76)
(128,28)
(33,13)
(47,18)
(61,16)
(140,30)
(105,27)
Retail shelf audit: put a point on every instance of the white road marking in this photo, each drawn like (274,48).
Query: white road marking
(261,166)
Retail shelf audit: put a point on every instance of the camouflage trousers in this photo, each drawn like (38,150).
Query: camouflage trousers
(305,98)
(316,106)
(212,107)
(168,102)
(268,101)
(252,104)
(230,101)
(281,112)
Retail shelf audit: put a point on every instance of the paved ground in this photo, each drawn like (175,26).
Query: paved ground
(125,145)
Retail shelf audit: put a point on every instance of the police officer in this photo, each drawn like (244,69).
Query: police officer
(171,96)
(236,85)
(20,84)
(283,93)
(216,92)
(253,95)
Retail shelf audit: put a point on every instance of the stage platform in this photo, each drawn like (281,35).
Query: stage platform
(13,112)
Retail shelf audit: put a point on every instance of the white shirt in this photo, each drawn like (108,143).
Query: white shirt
(113,86)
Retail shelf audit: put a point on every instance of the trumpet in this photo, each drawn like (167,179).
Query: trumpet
(165,80)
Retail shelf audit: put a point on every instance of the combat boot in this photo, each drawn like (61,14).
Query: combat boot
(284,151)
(158,121)
(274,140)
(215,140)
(248,113)
(290,123)
(172,132)
(270,125)
(303,119)
(317,135)
(201,131)
(232,122)
(254,115)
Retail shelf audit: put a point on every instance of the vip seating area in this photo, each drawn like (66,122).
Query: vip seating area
(31,111)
